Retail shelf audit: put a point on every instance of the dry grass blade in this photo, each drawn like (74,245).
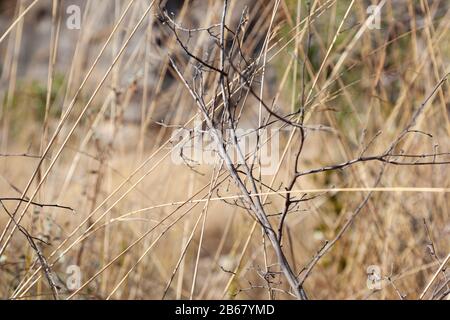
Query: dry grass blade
(229,149)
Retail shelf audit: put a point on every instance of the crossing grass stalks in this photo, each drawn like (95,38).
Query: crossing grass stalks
(87,176)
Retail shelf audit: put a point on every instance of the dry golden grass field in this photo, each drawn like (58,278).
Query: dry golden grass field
(343,194)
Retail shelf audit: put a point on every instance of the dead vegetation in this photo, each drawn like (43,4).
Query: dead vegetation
(354,206)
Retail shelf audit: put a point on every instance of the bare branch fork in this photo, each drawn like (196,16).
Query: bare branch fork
(248,187)
(222,79)
(32,240)
(327,247)
(254,203)
(41,258)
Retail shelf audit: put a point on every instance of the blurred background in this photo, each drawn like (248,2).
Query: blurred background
(131,234)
